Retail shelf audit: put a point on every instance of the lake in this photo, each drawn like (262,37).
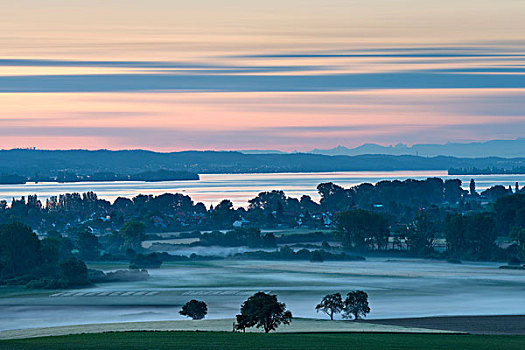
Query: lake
(239,188)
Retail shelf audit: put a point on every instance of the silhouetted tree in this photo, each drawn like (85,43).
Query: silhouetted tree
(495,192)
(264,310)
(422,233)
(195,309)
(316,256)
(473,188)
(361,229)
(481,235)
(455,227)
(145,261)
(518,235)
(453,190)
(223,215)
(308,204)
(471,236)
(331,304)
(356,305)
(240,323)
(334,197)
(50,252)
(87,244)
(19,249)
(509,212)
(133,233)
(74,272)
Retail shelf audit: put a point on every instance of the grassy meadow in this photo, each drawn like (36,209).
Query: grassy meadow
(254,341)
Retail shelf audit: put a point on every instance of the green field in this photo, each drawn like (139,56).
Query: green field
(223,340)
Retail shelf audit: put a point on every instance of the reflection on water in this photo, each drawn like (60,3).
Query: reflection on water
(239,188)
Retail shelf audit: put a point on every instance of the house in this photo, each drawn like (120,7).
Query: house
(240,223)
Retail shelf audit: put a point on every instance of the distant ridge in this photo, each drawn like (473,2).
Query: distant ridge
(262,151)
(494,148)
(34,163)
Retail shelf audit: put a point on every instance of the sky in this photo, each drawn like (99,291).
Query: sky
(231,74)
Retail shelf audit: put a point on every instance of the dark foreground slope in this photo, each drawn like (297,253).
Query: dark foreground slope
(216,340)
(507,325)
(31,162)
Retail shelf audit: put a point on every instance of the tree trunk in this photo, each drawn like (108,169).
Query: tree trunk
(332,315)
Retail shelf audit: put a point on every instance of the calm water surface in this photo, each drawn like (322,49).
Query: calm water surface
(239,188)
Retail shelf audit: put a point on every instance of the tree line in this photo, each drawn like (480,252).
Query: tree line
(428,218)
(471,235)
(401,201)
(263,310)
(24,259)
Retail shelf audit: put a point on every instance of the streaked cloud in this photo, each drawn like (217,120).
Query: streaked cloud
(239,74)
(256,83)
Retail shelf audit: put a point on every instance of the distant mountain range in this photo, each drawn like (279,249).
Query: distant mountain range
(494,148)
